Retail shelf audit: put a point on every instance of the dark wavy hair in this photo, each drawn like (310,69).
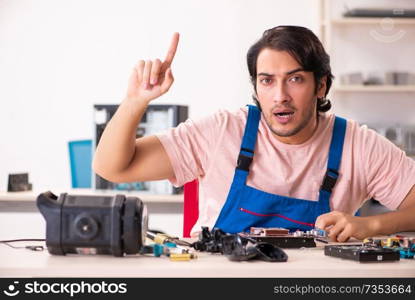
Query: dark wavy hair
(304,46)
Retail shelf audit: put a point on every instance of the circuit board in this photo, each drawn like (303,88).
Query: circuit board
(282,238)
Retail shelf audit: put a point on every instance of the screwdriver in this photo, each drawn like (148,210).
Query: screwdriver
(159,238)
(162,238)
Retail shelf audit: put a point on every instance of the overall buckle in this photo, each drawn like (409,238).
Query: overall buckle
(244,162)
(330,180)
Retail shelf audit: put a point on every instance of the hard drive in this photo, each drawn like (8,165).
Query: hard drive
(361,252)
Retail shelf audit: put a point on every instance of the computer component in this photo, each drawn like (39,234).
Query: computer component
(361,252)
(405,246)
(282,237)
(237,247)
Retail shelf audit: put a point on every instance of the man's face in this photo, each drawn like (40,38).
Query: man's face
(287,96)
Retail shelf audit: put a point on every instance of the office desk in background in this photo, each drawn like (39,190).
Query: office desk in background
(20,218)
(26,201)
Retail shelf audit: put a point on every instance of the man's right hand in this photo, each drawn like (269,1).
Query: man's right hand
(151,79)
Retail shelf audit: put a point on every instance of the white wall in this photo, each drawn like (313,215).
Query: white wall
(59,57)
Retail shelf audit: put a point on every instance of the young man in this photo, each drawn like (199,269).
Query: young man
(283,163)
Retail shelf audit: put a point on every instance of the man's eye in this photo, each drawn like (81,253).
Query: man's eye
(296,79)
(266,80)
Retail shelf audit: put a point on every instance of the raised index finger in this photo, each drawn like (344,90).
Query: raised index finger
(172,50)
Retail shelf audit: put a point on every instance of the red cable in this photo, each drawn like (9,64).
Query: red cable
(276,215)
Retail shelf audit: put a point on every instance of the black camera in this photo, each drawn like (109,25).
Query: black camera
(85,224)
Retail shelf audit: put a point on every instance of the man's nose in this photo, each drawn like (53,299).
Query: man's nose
(281,94)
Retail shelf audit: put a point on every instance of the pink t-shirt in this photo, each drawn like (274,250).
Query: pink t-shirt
(207,149)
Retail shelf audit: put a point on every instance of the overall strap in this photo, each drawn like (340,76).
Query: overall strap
(245,157)
(246,153)
(335,156)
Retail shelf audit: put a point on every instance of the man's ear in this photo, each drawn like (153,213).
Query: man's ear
(322,87)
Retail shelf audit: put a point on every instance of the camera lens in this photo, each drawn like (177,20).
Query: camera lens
(86,227)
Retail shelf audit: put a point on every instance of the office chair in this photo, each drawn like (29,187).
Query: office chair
(190,206)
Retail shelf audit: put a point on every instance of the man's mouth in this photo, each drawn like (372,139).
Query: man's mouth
(284,116)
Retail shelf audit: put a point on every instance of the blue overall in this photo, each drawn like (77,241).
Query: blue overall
(247,207)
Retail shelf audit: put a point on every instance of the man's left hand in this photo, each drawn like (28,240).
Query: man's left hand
(341,226)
